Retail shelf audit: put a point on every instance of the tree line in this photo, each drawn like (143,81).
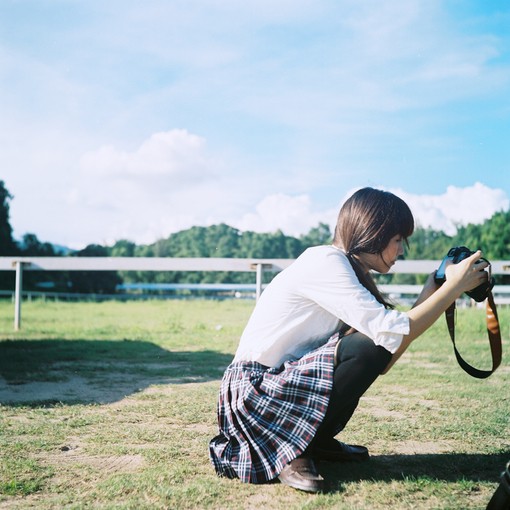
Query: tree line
(493,237)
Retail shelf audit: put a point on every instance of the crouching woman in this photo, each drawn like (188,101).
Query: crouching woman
(318,337)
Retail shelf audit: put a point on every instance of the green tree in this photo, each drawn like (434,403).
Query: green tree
(122,248)
(492,237)
(97,282)
(31,246)
(428,244)
(37,280)
(317,236)
(125,248)
(7,244)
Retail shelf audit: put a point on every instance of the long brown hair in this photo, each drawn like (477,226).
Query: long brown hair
(366,223)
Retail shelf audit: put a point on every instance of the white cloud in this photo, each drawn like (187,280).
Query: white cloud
(456,207)
(173,153)
(163,169)
(293,215)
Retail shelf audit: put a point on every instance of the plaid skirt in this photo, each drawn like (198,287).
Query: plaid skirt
(268,416)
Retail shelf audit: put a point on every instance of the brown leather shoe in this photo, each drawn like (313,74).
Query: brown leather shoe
(336,451)
(302,474)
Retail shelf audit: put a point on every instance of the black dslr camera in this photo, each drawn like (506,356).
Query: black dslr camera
(457,254)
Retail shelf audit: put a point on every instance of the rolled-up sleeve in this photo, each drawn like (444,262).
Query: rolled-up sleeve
(390,332)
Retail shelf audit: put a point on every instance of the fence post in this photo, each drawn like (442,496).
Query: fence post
(18,294)
(258,289)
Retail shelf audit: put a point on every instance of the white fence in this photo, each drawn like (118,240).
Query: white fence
(257,266)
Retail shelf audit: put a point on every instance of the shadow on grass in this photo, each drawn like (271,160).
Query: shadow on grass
(47,372)
(418,468)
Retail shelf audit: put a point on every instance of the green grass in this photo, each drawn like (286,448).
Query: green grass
(111,406)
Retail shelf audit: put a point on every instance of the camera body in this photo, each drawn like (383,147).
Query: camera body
(455,255)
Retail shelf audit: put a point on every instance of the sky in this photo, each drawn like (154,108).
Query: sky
(123,119)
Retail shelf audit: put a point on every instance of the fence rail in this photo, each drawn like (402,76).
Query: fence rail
(257,266)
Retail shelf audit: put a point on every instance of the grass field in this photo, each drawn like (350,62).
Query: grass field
(111,406)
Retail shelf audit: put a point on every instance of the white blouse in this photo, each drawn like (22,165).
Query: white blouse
(306,303)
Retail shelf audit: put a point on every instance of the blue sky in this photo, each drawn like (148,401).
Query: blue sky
(132,120)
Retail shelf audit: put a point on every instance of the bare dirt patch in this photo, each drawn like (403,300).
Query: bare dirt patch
(72,389)
(106,388)
(72,455)
(422,447)
(111,464)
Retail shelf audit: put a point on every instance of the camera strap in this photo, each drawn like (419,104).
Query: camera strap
(493,332)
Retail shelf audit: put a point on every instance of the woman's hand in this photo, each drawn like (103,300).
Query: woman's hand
(468,273)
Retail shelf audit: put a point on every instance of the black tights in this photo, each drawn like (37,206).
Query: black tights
(359,363)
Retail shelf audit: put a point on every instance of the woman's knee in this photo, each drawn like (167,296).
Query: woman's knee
(360,362)
(360,349)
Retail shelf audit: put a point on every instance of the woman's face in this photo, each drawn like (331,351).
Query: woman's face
(382,262)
